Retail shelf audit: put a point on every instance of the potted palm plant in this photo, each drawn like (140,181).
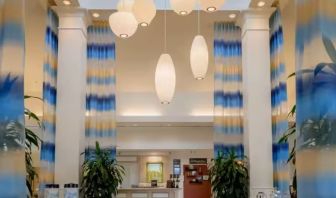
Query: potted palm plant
(229,176)
(102,175)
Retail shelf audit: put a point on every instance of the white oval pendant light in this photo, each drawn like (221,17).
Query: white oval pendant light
(183,7)
(211,5)
(165,79)
(123,24)
(199,57)
(144,11)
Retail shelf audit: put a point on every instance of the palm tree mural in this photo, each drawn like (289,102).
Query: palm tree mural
(319,128)
(11,131)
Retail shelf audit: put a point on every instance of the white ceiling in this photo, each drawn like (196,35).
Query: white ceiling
(160,4)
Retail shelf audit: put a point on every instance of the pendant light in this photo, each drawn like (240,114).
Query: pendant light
(165,76)
(144,11)
(199,54)
(123,23)
(211,5)
(182,7)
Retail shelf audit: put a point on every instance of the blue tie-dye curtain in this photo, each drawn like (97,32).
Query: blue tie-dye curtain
(100,100)
(279,104)
(49,100)
(12,136)
(316,98)
(228,97)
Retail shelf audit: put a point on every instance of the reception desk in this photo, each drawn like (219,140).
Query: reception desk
(148,193)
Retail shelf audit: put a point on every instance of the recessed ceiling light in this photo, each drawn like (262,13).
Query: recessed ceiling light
(211,9)
(96,15)
(261,3)
(66,2)
(144,24)
(123,35)
(232,16)
(183,13)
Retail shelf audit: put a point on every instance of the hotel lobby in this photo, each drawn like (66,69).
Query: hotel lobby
(168,98)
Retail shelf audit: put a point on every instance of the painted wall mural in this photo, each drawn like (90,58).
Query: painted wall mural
(279,104)
(316,93)
(12,136)
(49,100)
(228,97)
(100,100)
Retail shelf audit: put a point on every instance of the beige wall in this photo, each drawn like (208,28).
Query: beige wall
(35,22)
(288,19)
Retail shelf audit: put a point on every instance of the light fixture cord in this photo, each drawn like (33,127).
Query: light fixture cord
(165,27)
(198,19)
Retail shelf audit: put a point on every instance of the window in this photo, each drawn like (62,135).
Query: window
(155,172)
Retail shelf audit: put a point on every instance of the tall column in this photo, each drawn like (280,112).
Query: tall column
(257,99)
(71,93)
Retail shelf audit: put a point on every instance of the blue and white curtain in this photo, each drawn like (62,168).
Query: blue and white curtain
(49,99)
(279,104)
(228,97)
(316,98)
(12,135)
(100,100)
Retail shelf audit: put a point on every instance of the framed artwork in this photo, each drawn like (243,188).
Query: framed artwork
(155,172)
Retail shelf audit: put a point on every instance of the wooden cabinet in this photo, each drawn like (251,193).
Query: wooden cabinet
(196,181)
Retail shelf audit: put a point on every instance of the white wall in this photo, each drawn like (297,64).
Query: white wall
(288,19)
(164,138)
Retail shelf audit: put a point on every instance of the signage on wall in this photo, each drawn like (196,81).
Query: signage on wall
(177,167)
(198,161)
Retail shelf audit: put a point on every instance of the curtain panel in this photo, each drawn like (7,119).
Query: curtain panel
(279,104)
(316,93)
(100,100)
(12,134)
(47,155)
(228,97)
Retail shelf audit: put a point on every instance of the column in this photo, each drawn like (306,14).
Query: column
(71,94)
(257,99)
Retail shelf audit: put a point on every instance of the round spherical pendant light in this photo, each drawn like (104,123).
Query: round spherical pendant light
(211,5)
(165,79)
(144,11)
(123,24)
(183,7)
(199,57)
